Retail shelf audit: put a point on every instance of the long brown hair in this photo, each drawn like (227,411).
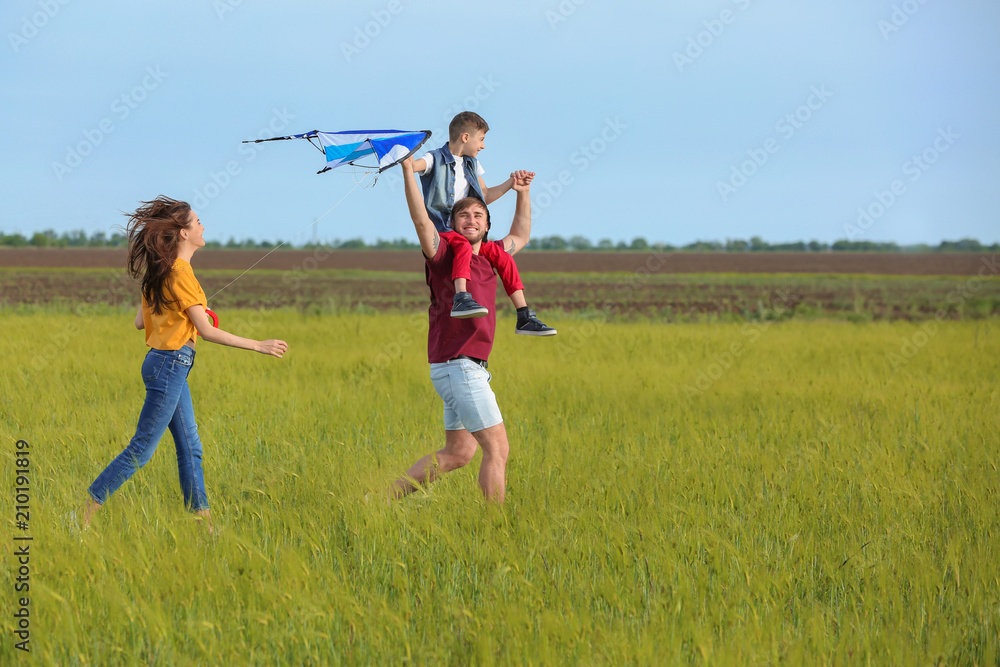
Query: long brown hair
(153,233)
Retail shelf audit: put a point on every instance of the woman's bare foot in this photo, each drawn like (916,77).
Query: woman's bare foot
(204,516)
(88,512)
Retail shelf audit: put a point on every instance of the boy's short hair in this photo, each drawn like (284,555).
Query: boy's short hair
(467,121)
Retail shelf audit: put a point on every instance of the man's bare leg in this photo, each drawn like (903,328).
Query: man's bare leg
(493,470)
(459,448)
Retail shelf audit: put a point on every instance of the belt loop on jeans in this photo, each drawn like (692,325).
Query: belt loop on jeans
(476,360)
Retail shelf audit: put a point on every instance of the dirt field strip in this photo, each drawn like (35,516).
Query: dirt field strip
(898,264)
(666,297)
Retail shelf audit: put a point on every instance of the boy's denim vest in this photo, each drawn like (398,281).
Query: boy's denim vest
(439,186)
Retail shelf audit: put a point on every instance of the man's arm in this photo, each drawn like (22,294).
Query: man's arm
(426,231)
(520,228)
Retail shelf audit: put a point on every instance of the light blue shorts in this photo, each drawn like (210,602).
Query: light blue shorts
(469,402)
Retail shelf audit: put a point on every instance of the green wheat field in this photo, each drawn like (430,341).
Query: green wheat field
(796,492)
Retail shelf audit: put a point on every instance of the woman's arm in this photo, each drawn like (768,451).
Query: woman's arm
(138,319)
(199,317)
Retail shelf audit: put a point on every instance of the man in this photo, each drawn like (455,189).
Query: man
(458,348)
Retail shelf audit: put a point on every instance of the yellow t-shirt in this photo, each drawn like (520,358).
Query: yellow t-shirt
(172,328)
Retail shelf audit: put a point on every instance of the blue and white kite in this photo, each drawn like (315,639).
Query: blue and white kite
(365,149)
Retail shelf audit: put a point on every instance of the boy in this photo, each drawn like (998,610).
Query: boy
(452,173)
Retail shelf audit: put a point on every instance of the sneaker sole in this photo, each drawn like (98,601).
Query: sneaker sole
(536,333)
(468,314)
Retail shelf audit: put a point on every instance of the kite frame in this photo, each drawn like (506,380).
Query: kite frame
(313,134)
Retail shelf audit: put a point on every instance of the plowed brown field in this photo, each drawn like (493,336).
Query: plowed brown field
(680,286)
(925,264)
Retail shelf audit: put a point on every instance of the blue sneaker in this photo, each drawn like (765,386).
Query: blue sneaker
(529,325)
(464,306)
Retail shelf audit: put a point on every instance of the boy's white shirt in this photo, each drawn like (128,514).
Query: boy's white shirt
(461,184)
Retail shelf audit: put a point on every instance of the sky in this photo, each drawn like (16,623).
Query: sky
(671,121)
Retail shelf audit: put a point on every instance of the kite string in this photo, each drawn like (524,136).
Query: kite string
(356,185)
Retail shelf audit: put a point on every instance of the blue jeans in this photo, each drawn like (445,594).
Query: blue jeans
(168,405)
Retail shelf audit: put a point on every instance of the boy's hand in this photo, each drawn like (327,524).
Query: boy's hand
(529,175)
(522,180)
(407,165)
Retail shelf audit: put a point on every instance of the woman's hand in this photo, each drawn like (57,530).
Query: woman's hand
(272,346)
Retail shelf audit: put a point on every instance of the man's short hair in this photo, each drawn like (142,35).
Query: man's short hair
(467,121)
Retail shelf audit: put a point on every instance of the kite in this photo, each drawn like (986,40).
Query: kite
(366,149)
(370,150)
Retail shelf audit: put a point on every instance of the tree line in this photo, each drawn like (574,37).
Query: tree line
(79,239)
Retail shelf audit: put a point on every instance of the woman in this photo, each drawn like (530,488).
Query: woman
(163,234)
